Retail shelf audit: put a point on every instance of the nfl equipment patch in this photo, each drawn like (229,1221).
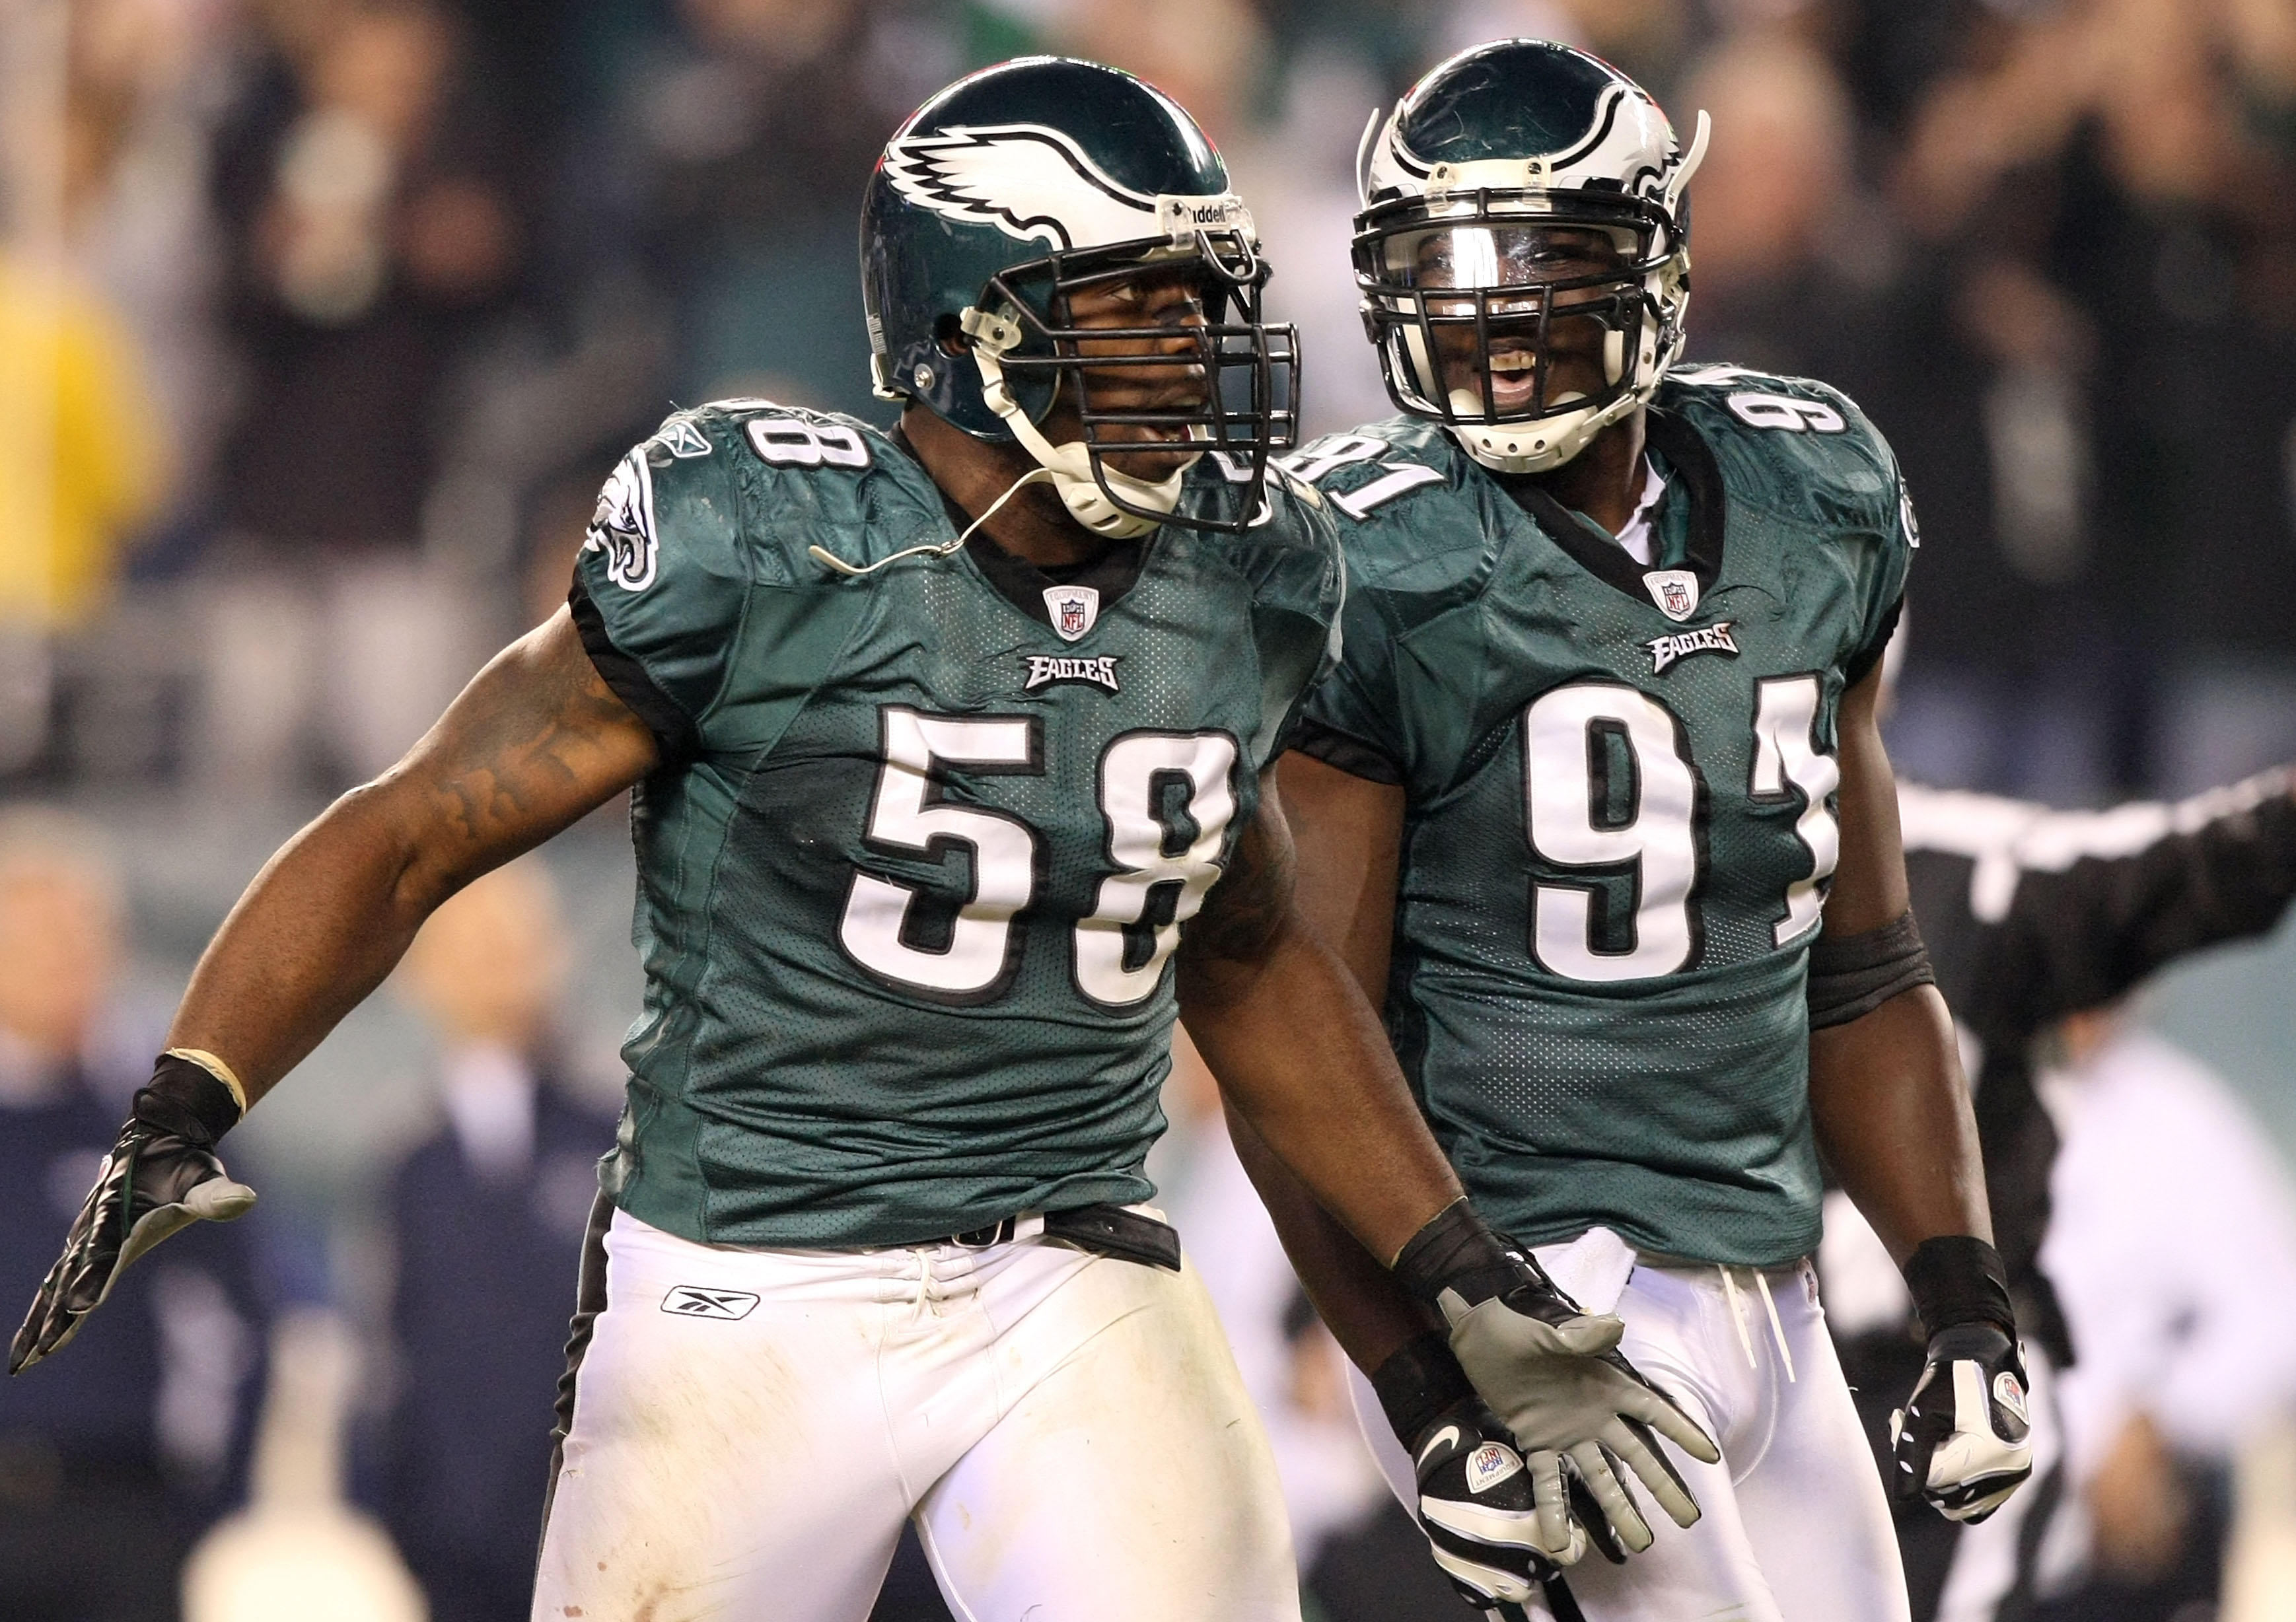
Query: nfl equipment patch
(1490,1464)
(1074,609)
(1674,591)
(2009,1391)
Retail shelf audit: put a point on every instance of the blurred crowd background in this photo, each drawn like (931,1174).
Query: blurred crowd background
(322,321)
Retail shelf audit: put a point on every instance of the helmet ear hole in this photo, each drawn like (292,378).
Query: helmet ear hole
(948,333)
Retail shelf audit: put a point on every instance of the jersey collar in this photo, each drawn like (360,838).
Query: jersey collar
(1693,461)
(1113,573)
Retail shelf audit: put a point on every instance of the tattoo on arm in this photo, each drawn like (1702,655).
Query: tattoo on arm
(534,743)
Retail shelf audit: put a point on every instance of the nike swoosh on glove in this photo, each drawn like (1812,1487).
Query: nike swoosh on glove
(161,1175)
(1963,1438)
(1478,1507)
(1554,1376)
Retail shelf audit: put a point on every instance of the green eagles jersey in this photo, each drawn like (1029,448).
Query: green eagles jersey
(1621,792)
(911,876)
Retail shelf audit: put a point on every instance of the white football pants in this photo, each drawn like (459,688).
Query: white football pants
(752,1428)
(1795,1526)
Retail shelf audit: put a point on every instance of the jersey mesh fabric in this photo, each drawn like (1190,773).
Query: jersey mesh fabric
(1672,1106)
(782,1091)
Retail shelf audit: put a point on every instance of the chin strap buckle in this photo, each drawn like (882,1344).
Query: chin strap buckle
(995,334)
(880,378)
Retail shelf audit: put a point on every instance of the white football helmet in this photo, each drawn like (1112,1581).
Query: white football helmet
(1520,188)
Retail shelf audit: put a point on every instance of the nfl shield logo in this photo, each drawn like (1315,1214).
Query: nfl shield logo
(1073,608)
(1674,591)
(1490,1464)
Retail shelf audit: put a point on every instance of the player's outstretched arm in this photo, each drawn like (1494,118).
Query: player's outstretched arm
(1282,1022)
(2077,936)
(534,742)
(1892,1116)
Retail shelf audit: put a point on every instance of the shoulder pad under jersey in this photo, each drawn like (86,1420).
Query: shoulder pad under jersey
(1794,446)
(805,479)
(1413,510)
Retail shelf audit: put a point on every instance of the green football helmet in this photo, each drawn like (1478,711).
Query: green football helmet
(1006,195)
(1521,187)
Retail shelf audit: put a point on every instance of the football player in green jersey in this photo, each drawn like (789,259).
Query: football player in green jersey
(938,741)
(1595,803)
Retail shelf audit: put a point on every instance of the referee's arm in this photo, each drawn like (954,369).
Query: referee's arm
(2078,934)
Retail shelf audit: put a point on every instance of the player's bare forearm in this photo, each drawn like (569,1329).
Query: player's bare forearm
(1370,1315)
(1299,1053)
(1893,1120)
(535,741)
(1348,833)
(1888,1100)
(1345,831)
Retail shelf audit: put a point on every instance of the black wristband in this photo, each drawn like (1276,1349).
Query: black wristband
(185,1098)
(1458,1250)
(1852,975)
(1417,1383)
(1955,1279)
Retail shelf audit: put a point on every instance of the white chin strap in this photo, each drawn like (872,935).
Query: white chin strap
(1531,448)
(1069,463)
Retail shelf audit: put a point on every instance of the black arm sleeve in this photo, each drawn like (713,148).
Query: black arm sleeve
(1852,975)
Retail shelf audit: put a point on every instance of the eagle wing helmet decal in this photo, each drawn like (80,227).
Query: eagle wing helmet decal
(1629,143)
(1032,181)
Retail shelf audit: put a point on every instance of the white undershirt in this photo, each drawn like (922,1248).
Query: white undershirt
(1639,536)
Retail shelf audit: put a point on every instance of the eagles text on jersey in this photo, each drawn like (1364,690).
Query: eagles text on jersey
(910,882)
(1620,785)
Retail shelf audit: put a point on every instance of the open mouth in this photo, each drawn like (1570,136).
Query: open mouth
(1147,435)
(1514,370)
(1514,373)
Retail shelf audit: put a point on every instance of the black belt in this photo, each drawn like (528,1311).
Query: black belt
(1104,1230)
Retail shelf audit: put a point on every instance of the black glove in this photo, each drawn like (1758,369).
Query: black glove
(161,1176)
(1476,1500)
(1963,1438)
(1553,1375)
